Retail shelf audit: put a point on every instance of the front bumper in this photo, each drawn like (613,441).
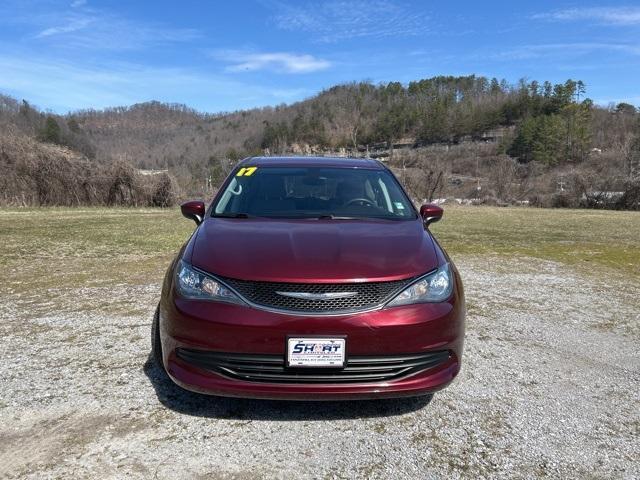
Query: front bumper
(219,327)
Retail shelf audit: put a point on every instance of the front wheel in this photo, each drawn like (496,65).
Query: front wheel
(156,345)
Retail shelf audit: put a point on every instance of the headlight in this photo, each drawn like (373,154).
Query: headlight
(435,287)
(194,284)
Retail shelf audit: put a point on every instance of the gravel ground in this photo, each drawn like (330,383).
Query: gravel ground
(549,388)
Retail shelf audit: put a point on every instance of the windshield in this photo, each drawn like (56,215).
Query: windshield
(313,192)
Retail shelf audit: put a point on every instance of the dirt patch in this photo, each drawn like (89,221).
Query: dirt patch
(39,442)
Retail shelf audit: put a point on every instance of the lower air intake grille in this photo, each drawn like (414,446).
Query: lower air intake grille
(271,368)
(330,297)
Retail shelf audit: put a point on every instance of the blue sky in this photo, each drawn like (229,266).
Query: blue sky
(219,55)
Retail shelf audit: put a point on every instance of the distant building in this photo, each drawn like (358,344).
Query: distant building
(152,172)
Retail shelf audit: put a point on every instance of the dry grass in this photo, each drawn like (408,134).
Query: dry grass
(78,259)
(580,238)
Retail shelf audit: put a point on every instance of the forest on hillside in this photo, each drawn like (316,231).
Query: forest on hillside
(466,137)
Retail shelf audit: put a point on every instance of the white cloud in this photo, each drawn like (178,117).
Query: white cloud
(603,15)
(78,3)
(561,50)
(85,27)
(336,20)
(281,62)
(73,26)
(104,32)
(73,86)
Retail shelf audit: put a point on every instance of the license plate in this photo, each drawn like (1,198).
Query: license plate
(315,352)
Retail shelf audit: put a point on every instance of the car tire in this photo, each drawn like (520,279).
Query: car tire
(156,345)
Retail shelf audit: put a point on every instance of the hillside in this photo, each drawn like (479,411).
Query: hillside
(35,172)
(447,136)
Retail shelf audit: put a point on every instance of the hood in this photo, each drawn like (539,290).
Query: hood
(314,251)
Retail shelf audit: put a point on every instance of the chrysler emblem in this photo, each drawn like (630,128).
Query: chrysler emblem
(318,296)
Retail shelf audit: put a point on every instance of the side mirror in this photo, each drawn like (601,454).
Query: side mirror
(193,210)
(430,213)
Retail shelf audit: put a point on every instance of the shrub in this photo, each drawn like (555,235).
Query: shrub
(164,192)
(36,173)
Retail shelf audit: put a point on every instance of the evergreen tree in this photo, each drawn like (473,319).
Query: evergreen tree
(73,125)
(51,131)
(625,109)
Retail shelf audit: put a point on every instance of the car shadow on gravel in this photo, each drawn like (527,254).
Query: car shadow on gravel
(198,405)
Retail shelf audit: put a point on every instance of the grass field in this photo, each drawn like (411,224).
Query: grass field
(549,385)
(581,238)
(49,252)
(41,247)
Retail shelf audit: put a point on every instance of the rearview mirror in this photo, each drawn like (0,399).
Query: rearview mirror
(193,210)
(430,213)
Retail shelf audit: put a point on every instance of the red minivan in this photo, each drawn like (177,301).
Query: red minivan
(311,279)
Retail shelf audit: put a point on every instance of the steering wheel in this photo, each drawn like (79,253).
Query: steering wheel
(365,201)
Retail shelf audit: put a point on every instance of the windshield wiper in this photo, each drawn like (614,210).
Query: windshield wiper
(230,215)
(275,217)
(336,217)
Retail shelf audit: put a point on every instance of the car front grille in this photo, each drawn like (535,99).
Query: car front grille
(367,295)
(272,369)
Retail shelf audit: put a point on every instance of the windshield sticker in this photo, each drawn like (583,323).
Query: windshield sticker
(246,171)
(399,205)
